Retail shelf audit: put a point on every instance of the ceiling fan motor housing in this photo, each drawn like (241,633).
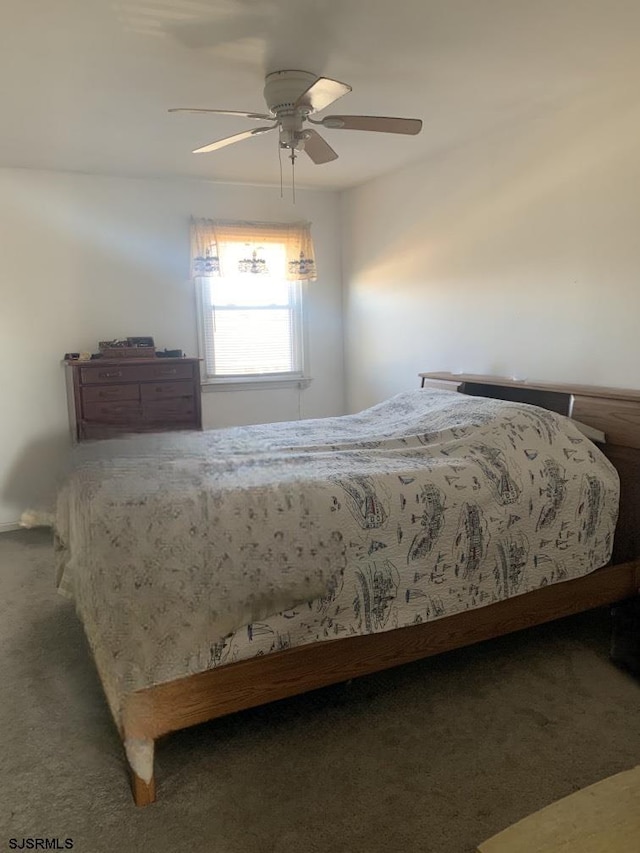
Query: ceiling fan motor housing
(283,88)
(281,92)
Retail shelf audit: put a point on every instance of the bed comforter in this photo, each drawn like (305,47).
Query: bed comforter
(170,543)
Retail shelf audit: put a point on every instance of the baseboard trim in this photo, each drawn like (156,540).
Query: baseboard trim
(8,526)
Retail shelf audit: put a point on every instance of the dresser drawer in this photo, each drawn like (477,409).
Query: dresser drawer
(92,431)
(134,373)
(165,390)
(168,371)
(108,374)
(106,393)
(123,412)
(181,409)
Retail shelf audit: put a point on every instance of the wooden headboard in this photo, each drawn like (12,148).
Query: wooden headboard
(615,411)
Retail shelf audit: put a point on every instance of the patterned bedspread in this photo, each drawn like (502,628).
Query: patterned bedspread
(185,551)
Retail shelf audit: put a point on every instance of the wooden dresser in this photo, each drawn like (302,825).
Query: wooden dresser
(111,397)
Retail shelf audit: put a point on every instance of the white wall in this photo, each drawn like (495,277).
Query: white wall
(86,258)
(515,254)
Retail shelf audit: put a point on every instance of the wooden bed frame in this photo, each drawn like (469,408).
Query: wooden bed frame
(150,713)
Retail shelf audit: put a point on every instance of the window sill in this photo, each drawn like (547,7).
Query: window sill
(255,384)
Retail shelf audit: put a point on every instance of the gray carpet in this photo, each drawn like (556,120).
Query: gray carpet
(434,756)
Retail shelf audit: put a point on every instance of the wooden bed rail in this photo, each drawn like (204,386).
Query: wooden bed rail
(168,707)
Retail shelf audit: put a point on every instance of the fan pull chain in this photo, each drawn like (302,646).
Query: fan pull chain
(280,162)
(293,175)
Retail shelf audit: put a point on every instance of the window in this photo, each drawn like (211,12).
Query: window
(251,317)
(251,278)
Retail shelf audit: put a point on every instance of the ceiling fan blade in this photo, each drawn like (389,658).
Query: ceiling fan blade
(229,140)
(258,116)
(382,124)
(321,93)
(316,147)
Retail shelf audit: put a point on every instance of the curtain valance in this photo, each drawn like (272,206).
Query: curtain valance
(210,238)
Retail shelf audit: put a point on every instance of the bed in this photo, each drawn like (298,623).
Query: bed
(218,571)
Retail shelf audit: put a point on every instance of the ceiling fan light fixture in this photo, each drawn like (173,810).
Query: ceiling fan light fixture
(293,139)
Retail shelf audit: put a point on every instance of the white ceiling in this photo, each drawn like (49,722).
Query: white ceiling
(86,84)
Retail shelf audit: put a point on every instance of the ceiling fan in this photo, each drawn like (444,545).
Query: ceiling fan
(292,97)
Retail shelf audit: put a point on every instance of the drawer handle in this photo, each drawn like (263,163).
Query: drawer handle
(168,372)
(110,374)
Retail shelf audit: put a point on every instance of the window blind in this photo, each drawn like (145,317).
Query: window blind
(252,323)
